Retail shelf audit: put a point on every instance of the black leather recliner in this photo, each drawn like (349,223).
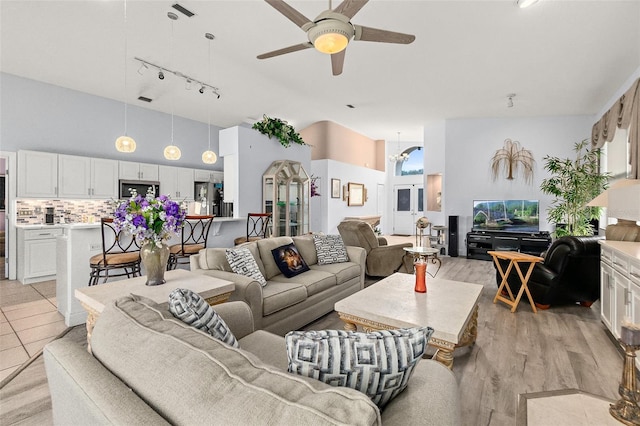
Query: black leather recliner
(569,274)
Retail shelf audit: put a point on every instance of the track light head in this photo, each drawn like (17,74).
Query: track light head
(201,90)
(143,68)
(161,75)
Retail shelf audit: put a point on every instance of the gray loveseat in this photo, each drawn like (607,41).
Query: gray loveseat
(149,368)
(286,304)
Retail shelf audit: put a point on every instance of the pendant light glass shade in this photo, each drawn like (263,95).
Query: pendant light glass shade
(172,152)
(209,157)
(125,144)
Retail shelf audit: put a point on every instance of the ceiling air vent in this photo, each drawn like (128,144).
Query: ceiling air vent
(144,99)
(183,10)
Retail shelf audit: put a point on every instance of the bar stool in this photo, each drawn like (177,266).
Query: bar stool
(120,250)
(194,238)
(257,228)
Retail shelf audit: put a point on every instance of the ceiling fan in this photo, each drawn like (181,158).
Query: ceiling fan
(332,30)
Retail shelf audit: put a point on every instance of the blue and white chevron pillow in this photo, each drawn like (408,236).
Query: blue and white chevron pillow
(190,308)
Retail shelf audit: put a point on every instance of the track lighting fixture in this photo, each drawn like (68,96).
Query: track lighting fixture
(189,81)
(510,97)
(143,68)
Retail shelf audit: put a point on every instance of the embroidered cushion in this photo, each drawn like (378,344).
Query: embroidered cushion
(189,307)
(242,262)
(378,364)
(330,249)
(289,260)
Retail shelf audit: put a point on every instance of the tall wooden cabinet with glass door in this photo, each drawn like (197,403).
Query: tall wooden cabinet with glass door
(286,194)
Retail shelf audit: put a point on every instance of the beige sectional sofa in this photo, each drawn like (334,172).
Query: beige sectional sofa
(286,304)
(150,368)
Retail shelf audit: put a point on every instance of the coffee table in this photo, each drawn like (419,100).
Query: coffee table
(449,307)
(93,299)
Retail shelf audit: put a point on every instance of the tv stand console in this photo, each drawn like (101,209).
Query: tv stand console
(479,243)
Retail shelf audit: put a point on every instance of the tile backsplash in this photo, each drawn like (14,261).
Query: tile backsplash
(30,212)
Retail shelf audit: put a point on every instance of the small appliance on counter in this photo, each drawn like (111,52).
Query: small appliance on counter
(49,216)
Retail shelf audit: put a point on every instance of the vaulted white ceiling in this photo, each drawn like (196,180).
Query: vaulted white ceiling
(558,57)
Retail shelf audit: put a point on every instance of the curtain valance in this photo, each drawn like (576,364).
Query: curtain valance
(625,113)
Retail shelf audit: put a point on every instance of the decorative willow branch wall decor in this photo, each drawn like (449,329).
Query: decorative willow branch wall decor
(513,158)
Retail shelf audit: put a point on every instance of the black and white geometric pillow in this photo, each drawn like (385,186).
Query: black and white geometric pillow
(189,307)
(330,249)
(242,262)
(378,364)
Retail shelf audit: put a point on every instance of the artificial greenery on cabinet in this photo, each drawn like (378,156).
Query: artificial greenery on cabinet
(574,183)
(280,129)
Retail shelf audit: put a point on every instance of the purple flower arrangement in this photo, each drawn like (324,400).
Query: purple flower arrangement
(149,218)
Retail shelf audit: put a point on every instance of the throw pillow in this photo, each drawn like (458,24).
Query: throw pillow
(242,262)
(378,364)
(289,260)
(330,249)
(189,307)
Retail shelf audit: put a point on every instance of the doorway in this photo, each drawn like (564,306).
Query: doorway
(408,207)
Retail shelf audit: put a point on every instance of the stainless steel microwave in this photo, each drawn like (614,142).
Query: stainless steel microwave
(142,187)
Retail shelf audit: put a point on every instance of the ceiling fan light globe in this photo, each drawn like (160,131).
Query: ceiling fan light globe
(330,36)
(209,157)
(172,152)
(125,144)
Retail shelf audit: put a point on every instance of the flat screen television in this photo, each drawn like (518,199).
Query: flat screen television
(522,216)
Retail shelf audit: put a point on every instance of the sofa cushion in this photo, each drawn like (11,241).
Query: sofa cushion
(289,260)
(179,370)
(330,249)
(242,262)
(214,259)
(307,248)
(190,308)
(314,280)
(264,248)
(342,271)
(379,363)
(280,295)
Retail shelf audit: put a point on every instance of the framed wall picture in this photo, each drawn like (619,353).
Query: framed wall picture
(356,194)
(335,188)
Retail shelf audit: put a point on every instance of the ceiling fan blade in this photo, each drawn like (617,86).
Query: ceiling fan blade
(350,7)
(296,17)
(383,36)
(282,51)
(337,62)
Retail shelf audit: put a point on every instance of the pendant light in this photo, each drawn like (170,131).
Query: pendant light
(172,152)
(209,157)
(125,143)
(399,157)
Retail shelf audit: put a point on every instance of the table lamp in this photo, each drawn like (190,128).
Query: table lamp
(626,409)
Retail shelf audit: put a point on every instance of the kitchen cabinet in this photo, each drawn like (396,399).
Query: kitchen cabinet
(37,174)
(211,176)
(37,254)
(84,177)
(177,182)
(620,285)
(130,170)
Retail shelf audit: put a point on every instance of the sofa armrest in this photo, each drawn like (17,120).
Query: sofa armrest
(247,290)
(382,241)
(238,316)
(83,391)
(194,262)
(385,260)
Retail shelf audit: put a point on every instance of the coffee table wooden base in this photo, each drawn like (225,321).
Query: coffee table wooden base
(444,349)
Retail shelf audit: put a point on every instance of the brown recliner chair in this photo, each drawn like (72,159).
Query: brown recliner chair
(382,259)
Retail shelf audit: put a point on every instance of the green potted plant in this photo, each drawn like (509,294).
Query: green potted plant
(574,183)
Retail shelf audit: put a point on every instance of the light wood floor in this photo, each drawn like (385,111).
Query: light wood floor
(561,348)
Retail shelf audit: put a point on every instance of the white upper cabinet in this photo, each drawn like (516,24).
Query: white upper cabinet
(84,177)
(129,170)
(201,175)
(177,182)
(37,174)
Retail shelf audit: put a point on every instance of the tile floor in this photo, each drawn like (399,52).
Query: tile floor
(29,319)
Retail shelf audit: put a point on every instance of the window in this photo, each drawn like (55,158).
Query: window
(415,164)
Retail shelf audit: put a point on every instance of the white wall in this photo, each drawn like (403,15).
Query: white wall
(42,117)
(469,145)
(335,209)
